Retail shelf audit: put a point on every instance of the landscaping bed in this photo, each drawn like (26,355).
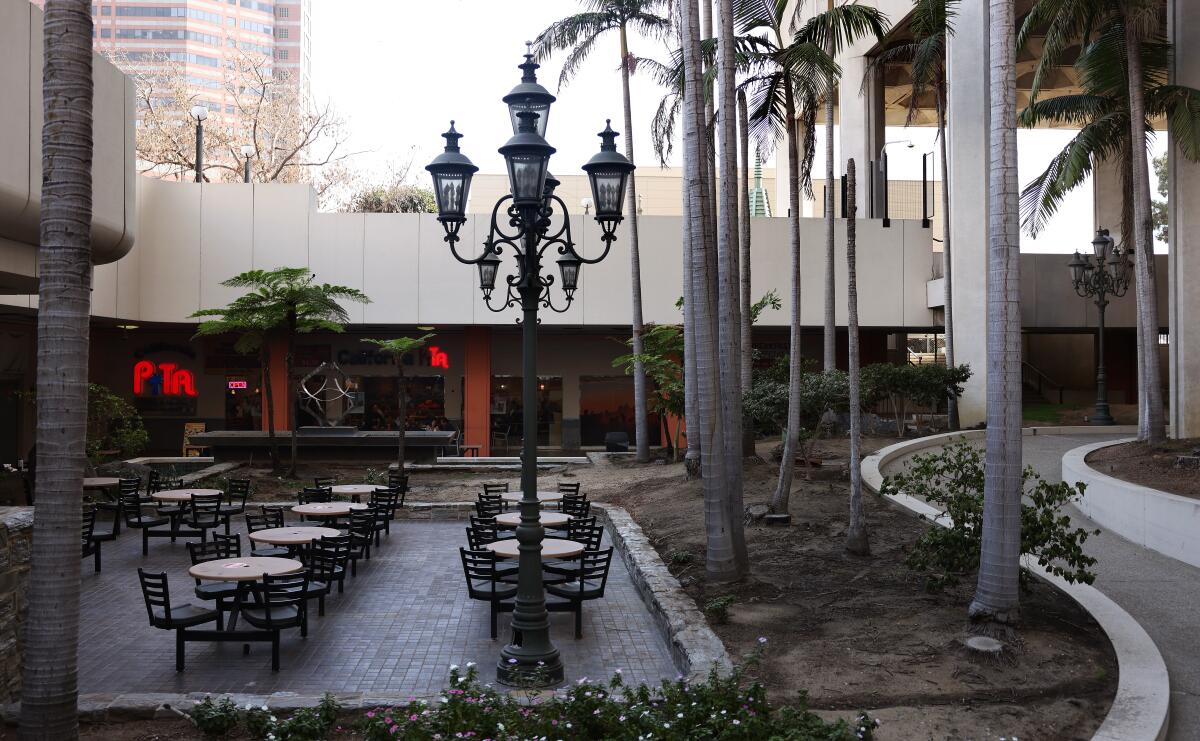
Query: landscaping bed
(1151,465)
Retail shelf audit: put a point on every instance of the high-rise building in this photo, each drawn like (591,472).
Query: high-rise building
(205,35)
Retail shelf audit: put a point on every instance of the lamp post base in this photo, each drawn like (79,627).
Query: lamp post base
(1102,418)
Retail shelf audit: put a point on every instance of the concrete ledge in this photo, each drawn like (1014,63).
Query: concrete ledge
(1163,522)
(1141,707)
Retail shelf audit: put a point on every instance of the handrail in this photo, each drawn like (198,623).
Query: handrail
(1040,377)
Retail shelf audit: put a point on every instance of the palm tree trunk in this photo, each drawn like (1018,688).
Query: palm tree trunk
(402,423)
(287,392)
(641,426)
(49,679)
(747,350)
(1152,423)
(947,285)
(857,538)
(996,596)
(710,123)
(691,413)
(830,336)
(728,292)
(791,432)
(265,355)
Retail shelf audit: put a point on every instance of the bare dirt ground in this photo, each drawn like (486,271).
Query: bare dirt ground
(1151,465)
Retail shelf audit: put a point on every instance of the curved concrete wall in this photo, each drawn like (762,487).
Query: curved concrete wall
(113,176)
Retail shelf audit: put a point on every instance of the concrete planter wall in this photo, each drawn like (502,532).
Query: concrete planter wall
(1167,523)
(16,542)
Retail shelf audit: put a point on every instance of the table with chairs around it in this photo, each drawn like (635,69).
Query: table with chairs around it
(574,568)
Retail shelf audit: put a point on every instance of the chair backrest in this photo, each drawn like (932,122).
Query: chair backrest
(593,570)
(285,590)
(480,533)
(576,507)
(566,487)
(205,510)
(130,485)
(229,545)
(586,531)
(237,490)
(264,521)
(205,551)
(496,489)
(131,507)
(339,545)
(387,500)
(478,566)
(88,526)
(156,593)
(160,482)
(276,512)
(397,480)
(362,521)
(489,509)
(315,495)
(324,482)
(322,560)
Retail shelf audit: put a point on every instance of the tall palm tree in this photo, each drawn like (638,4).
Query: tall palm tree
(931,23)
(996,596)
(834,30)
(1114,51)
(294,303)
(49,680)
(398,348)
(579,34)
(784,81)
(857,538)
(729,281)
(747,349)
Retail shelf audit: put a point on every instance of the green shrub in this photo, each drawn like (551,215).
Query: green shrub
(719,708)
(952,481)
(717,609)
(214,718)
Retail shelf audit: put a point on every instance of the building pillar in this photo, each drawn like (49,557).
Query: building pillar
(571,426)
(1184,243)
(1108,201)
(968,122)
(477,389)
(860,121)
(280,392)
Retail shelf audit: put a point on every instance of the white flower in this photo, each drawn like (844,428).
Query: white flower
(264,708)
(762,640)
(736,722)
(470,664)
(618,671)
(679,715)
(454,667)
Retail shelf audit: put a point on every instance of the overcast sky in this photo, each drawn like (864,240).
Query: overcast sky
(399,70)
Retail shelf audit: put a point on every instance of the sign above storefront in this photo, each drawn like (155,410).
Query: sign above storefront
(237,385)
(162,379)
(432,357)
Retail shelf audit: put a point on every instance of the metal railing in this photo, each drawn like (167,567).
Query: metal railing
(1033,377)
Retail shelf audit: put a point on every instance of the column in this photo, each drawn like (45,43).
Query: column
(1108,199)
(477,388)
(967,121)
(280,391)
(1184,244)
(571,427)
(860,120)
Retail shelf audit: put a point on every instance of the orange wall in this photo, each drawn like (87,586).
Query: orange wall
(279,387)
(477,389)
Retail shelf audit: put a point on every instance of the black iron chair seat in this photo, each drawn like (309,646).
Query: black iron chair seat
(573,592)
(275,616)
(217,591)
(271,552)
(184,616)
(483,590)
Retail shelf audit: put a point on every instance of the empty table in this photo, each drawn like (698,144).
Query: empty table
(551,548)
(327,509)
(182,495)
(100,482)
(543,496)
(548,519)
(354,490)
(293,536)
(251,568)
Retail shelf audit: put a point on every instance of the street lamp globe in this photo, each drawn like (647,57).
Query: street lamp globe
(608,172)
(451,171)
(551,183)
(568,269)
(1101,244)
(247,150)
(199,112)
(527,156)
(1077,265)
(489,264)
(530,96)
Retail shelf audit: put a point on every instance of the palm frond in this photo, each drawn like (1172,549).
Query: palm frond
(1074,109)
(835,30)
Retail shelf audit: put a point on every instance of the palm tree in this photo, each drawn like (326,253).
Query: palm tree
(49,681)
(1114,51)
(835,30)
(254,332)
(784,80)
(398,348)
(857,538)
(747,349)
(579,34)
(293,303)
(931,24)
(996,597)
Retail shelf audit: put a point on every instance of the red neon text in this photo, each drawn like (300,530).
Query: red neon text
(238,385)
(437,358)
(163,379)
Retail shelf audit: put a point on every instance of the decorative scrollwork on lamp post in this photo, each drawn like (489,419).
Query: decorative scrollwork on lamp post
(1109,275)
(522,226)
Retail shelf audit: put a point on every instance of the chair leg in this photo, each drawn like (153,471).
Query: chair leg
(494,611)
(220,616)
(96,558)
(579,619)
(275,651)
(179,643)
(227,526)
(342,584)
(321,606)
(145,542)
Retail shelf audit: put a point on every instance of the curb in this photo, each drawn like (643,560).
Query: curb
(1140,710)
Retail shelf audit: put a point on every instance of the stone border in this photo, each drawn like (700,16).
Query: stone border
(1141,707)
(1158,520)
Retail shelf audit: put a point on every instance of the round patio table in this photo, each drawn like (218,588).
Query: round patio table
(548,519)
(251,568)
(543,496)
(100,482)
(293,535)
(327,509)
(551,548)
(182,495)
(354,489)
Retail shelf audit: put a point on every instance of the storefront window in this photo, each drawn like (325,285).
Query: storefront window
(606,405)
(507,410)
(426,403)
(243,403)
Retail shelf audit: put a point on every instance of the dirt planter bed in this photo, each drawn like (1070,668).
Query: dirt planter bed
(1141,707)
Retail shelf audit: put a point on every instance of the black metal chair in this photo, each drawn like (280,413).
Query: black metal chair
(496,489)
(321,567)
(282,604)
(236,494)
(124,485)
(481,532)
(487,508)
(313,495)
(268,519)
(363,524)
(484,583)
(585,530)
(568,487)
(576,507)
(386,501)
(157,595)
(324,482)
(204,514)
(590,580)
(398,481)
(221,546)
(151,526)
(88,540)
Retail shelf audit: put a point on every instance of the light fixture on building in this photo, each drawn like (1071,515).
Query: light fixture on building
(1108,276)
(522,226)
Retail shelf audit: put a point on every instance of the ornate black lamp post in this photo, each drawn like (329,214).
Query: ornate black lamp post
(521,225)
(247,152)
(199,113)
(1107,276)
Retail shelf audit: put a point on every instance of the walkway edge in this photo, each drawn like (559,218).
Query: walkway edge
(1142,703)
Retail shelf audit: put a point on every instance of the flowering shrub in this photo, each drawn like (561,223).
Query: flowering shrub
(307,724)
(719,708)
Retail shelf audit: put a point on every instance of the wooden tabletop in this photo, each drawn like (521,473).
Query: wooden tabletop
(551,548)
(100,482)
(293,535)
(354,488)
(181,495)
(326,509)
(251,568)
(543,496)
(548,519)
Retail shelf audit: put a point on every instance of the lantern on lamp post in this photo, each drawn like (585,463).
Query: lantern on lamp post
(1109,275)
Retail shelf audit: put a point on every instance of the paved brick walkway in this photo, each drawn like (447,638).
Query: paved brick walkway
(394,632)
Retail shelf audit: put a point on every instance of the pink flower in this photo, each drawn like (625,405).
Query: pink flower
(370,713)
(413,716)
(394,730)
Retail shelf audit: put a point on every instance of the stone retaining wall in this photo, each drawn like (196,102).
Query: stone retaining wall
(16,543)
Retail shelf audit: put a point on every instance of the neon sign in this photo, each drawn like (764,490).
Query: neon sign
(437,358)
(162,379)
(237,385)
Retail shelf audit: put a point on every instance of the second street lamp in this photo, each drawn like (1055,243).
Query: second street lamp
(199,112)
(1108,276)
(247,152)
(522,226)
